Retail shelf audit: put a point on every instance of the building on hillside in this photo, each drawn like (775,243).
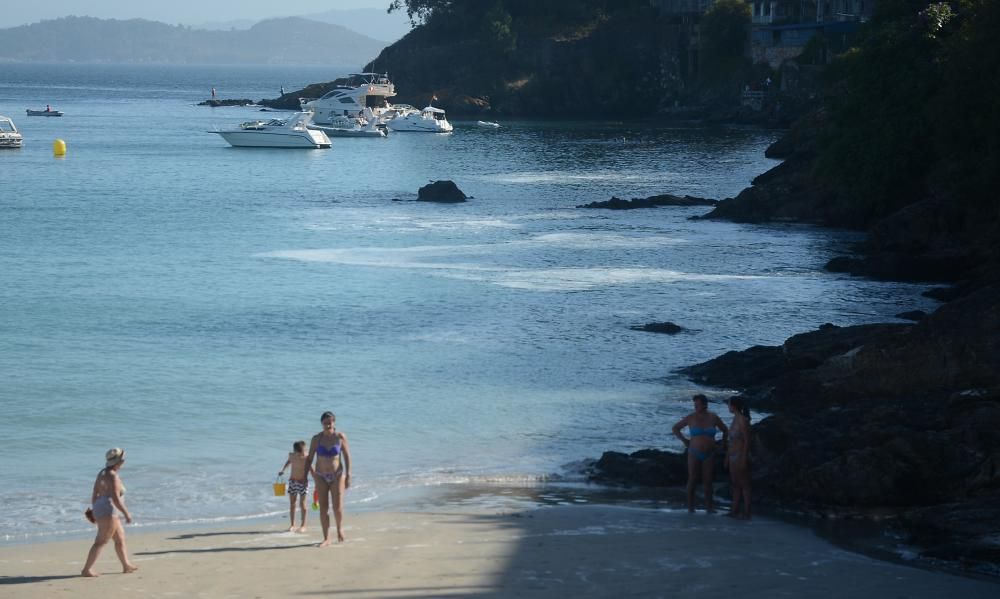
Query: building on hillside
(782,29)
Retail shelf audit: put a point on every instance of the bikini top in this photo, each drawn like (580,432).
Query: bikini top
(328,452)
(707,432)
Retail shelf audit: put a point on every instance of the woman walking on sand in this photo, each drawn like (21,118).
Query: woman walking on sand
(332,474)
(105,499)
(702,426)
(738,457)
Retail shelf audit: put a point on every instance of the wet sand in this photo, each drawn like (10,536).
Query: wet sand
(580,551)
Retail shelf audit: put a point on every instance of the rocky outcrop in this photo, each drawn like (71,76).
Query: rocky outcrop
(899,421)
(441,191)
(651,202)
(666,328)
(646,468)
(231,102)
(903,419)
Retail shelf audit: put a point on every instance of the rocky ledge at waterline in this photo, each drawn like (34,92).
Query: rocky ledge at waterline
(899,421)
(665,199)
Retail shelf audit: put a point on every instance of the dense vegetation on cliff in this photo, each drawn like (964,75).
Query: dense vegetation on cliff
(557,58)
(915,111)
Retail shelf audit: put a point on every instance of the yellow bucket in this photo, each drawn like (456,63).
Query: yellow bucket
(279,487)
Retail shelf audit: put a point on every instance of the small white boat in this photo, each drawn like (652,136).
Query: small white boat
(47,112)
(9,136)
(346,126)
(428,120)
(292,132)
(488,124)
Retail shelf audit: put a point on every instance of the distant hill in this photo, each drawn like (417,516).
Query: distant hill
(292,40)
(373,22)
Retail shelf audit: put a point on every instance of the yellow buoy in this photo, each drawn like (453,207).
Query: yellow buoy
(59,147)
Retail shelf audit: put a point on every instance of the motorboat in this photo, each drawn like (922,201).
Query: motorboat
(359,92)
(9,136)
(488,124)
(428,120)
(291,132)
(47,112)
(347,126)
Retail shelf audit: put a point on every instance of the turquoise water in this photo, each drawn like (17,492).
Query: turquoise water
(201,305)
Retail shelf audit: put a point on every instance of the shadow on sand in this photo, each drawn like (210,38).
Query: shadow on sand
(33,579)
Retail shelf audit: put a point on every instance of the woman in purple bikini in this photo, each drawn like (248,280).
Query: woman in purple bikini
(332,474)
(702,426)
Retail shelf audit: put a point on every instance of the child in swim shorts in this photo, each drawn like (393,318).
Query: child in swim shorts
(298,483)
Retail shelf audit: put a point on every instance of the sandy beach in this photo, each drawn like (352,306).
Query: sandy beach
(583,551)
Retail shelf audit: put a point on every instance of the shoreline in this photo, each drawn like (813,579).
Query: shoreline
(859,536)
(561,550)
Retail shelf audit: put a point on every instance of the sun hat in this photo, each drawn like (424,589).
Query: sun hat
(114,456)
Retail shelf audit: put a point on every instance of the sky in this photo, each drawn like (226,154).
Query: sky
(187,12)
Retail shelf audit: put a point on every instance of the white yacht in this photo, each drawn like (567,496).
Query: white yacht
(429,120)
(292,132)
(367,125)
(9,136)
(361,91)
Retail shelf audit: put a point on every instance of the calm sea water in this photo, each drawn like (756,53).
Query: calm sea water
(201,305)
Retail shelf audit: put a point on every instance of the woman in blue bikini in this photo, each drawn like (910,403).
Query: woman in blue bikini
(332,474)
(702,426)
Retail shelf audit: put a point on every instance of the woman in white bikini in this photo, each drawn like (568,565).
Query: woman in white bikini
(105,499)
(332,474)
(738,458)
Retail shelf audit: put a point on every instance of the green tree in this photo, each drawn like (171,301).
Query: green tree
(498,28)
(911,107)
(724,36)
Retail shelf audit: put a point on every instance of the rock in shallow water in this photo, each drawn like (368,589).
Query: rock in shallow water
(441,191)
(667,328)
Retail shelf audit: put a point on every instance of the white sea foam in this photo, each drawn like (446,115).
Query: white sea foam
(567,177)
(607,240)
(411,224)
(545,279)
(412,257)
(584,279)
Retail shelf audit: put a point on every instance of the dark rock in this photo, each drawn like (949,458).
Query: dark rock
(667,328)
(650,202)
(217,103)
(943,294)
(441,191)
(739,368)
(966,532)
(647,467)
(762,366)
(914,315)
(786,193)
(901,420)
(844,264)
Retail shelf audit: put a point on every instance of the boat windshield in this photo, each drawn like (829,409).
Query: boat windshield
(7,126)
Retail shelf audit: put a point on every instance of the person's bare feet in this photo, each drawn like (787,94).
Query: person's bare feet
(291,528)
(340,537)
(325,543)
(89,574)
(129,569)
(302,528)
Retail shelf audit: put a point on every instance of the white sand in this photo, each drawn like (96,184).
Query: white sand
(585,551)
